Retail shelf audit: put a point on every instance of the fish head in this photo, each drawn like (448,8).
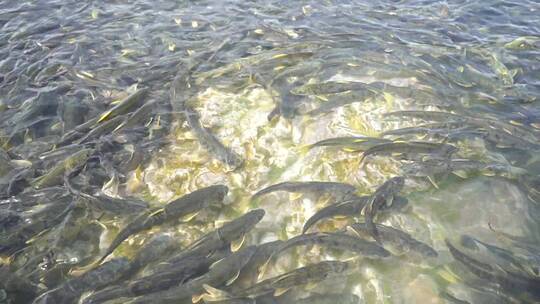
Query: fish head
(217,192)
(255,215)
(398,181)
(234,161)
(337,266)
(449,149)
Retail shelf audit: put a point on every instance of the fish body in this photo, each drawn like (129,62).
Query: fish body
(350,142)
(337,241)
(96,278)
(102,128)
(398,238)
(55,176)
(46,218)
(341,298)
(427,115)
(308,187)
(117,206)
(330,87)
(523,285)
(250,272)
(384,195)
(414,147)
(219,238)
(436,128)
(346,208)
(219,273)
(309,274)
(176,274)
(189,203)
(125,105)
(211,143)
(153,250)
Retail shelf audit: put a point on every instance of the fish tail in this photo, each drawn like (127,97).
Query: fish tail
(213,294)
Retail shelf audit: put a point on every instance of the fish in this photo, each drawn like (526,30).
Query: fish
(442,129)
(519,284)
(431,167)
(138,116)
(55,176)
(512,130)
(9,219)
(505,140)
(175,275)
(398,238)
(341,101)
(77,132)
(309,274)
(154,249)
(105,127)
(308,187)
(99,277)
(211,143)
(384,195)
(531,185)
(460,167)
(523,43)
(451,298)
(413,147)
(330,298)
(17,286)
(230,233)
(345,208)
(187,204)
(337,241)
(251,270)
(47,217)
(329,87)
(116,205)
(352,208)
(354,143)
(504,258)
(244,300)
(427,115)
(125,105)
(222,272)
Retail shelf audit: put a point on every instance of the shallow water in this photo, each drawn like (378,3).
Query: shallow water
(268,79)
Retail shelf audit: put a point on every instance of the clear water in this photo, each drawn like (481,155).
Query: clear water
(242,66)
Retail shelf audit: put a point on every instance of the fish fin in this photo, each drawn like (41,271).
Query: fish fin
(323,98)
(214,294)
(295,196)
(189,217)
(104,116)
(233,278)
(461,173)
(448,275)
(37,236)
(120,126)
(215,263)
(310,286)
(262,269)
(431,179)
(353,231)
(197,297)
(156,212)
(514,72)
(281,291)
(237,244)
